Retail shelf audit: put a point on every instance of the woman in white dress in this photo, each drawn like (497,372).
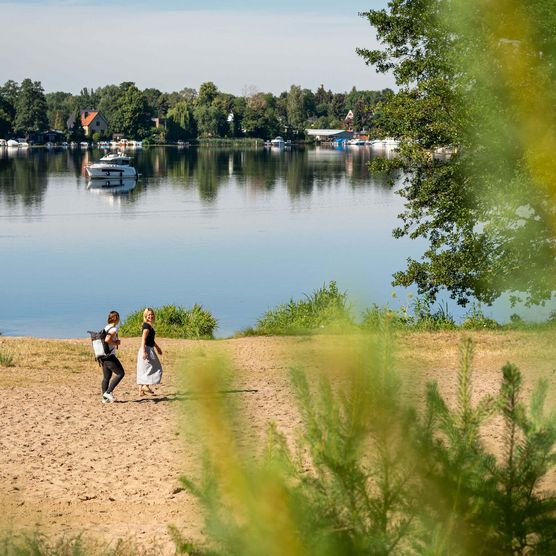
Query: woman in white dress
(149,369)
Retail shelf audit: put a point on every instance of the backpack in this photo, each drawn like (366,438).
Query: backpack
(100,347)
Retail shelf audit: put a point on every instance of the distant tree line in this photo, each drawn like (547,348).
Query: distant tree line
(187,114)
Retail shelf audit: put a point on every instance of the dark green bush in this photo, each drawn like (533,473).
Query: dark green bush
(174,322)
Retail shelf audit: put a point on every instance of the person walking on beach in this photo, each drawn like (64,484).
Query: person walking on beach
(149,369)
(112,369)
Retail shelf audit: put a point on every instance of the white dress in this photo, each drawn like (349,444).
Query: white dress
(149,370)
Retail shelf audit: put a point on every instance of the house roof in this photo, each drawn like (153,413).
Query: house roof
(87,120)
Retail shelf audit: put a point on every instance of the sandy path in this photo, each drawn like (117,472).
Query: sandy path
(71,464)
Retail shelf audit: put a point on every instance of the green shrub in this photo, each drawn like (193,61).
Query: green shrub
(327,308)
(476,320)
(174,322)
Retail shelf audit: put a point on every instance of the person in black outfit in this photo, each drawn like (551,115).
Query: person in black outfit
(112,369)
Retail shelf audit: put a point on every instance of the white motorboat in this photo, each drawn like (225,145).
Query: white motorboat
(115,166)
(278,142)
(13,143)
(356,142)
(3,143)
(84,145)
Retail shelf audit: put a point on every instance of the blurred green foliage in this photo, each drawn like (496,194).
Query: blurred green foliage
(372,473)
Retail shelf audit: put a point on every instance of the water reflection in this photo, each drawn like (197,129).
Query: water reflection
(113,186)
(23,177)
(113,191)
(24,173)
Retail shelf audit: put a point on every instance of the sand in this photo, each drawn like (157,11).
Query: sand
(70,464)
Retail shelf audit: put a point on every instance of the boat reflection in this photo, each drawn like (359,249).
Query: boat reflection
(115,186)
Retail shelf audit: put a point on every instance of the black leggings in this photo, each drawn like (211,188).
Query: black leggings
(111,365)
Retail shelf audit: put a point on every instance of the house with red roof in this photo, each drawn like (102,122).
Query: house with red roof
(92,121)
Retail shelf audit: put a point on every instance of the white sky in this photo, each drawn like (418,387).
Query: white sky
(68,47)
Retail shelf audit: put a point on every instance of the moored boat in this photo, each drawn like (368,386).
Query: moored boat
(115,166)
(278,142)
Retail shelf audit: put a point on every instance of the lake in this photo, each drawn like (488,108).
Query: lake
(236,230)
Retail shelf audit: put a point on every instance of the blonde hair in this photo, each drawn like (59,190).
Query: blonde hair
(146,311)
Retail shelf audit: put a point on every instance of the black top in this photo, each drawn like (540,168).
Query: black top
(150,336)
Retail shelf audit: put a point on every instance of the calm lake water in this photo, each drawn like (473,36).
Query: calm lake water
(238,231)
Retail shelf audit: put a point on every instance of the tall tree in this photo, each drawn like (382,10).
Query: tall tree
(207,93)
(8,99)
(31,108)
(259,119)
(297,113)
(181,123)
(133,116)
(480,81)
(211,111)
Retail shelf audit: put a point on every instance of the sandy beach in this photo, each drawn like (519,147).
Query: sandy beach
(70,464)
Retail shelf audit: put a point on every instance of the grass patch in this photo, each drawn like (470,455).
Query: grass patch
(326,309)
(174,322)
(6,359)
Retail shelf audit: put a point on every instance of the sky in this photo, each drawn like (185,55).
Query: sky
(172,44)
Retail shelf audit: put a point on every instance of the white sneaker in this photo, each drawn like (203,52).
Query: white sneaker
(109,397)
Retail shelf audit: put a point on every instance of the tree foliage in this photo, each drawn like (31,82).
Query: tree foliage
(210,112)
(31,108)
(181,124)
(481,81)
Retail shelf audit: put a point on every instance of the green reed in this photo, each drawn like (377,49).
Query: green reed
(326,309)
